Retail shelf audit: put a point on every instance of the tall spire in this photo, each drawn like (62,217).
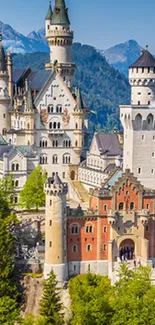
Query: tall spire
(79,100)
(29,103)
(49,13)
(60,15)
(3,65)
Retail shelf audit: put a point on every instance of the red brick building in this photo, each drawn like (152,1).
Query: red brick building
(120,216)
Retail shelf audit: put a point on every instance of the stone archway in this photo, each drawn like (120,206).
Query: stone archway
(127,249)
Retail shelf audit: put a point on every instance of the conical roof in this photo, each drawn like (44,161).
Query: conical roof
(79,100)
(3,65)
(146,60)
(57,180)
(60,15)
(49,13)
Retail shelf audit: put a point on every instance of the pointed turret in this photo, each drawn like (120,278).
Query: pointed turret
(3,65)
(29,103)
(60,15)
(49,13)
(79,100)
(57,180)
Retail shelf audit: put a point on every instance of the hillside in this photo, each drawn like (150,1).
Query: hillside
(103,87)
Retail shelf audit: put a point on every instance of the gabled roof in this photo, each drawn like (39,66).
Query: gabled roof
(57,180)
(146,60)
(19,74)
(108,144)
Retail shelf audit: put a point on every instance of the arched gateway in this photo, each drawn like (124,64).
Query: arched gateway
(127,249)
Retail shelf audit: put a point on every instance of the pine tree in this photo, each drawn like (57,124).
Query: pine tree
(51,306)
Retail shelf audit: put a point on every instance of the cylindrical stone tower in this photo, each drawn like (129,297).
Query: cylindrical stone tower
(60,39)
(4,96)
(55,229)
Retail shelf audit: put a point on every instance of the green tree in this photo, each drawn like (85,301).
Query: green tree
(51,306)
(90,296)
(7,192)
(9,293)
(133,302)
(31,320)
(32,195)
(9,311)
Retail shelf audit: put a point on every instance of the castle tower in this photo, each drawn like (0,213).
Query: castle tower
(9,67)
(4,96)
(55,229)
(138,120)
(60,39)
(80,118)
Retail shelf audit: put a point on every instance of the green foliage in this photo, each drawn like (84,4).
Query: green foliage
(133,302)
(90,295)
(9,294)
(32,194)
(103,87)
(6,195)
(9,311)
(51,306)
(31,320)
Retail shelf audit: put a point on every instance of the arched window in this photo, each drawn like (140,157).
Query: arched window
(120,206)
(75,229)
(17,167)
(55,159)
(55,143)
(150,121)
(89,248)
(58,125)
(43,159)
(132,205)
(76,126)
(89,229)
(50,125)
(66,159)
(138,121)
(75,248)
(28,126)
(16,183)
(50,109)
(54,125)
(76,143)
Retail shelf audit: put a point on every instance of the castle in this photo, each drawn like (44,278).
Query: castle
(44,121)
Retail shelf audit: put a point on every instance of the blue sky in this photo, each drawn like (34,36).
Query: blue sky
(101,23)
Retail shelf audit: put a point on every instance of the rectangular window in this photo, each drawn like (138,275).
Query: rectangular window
(143,137)
(148,206)
(139,170)
(149,102)
(147,228)
(50,202)
(105,229)
(105,207)
(138,102)
(153,137)
(63,175)
(152,171)
(50,222)
(50,244)
(142,70)
(153,154)
(74,267)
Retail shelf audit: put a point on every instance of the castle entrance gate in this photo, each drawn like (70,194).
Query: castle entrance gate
(127,249)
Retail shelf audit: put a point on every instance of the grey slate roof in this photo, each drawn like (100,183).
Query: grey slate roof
(108,144)
(37,79)
(146,60)
(18,74)
(57,180)
(79,100)
(2,141)
(5,149)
